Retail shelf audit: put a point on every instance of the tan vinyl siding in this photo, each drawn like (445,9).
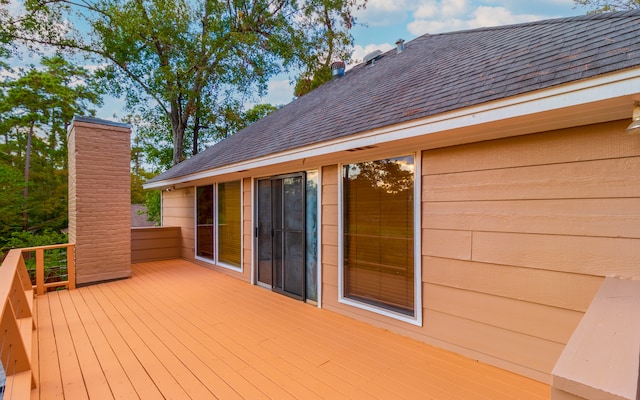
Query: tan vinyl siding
(329,226)
(517,234)
(178,210)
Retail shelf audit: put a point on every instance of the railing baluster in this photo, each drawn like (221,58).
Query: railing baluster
(39,271)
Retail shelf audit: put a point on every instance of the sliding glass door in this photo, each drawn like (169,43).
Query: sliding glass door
(281,234)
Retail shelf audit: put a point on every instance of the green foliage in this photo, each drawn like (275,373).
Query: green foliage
(195,60)
(151,142)
(327,24)
(55,260)
(11,187)
(21,239)
(36,107)
(600,6)
(306,84)
(231,119)
(137,192)
(258,112)
(153,204)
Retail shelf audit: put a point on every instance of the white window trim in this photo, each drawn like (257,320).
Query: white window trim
(319,238)
(416,319)
(195,225)
(215,261)
(254,265)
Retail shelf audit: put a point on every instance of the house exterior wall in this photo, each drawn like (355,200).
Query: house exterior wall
(329,226)
(517,235)
(100,200)
(178,210)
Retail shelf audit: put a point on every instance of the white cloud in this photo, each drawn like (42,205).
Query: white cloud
(455,15)
(360,51)
(428,10)
(494,16)
(422,26)
(452,8)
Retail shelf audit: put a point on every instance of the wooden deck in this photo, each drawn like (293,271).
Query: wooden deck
(180,331)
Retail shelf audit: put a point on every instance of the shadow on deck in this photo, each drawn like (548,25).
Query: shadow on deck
(178,330)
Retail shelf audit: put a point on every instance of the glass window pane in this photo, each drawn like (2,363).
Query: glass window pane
(311,227)
(204,222)
(265,244)
(229,223)
(293,200)
(378,233)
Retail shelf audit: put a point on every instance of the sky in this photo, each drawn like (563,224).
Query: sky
(383,22)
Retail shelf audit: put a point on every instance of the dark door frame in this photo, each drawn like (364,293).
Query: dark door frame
(277,234)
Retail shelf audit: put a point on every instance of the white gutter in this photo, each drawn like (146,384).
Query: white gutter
(624,83)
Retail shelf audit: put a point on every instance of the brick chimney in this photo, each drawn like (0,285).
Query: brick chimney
(100,199)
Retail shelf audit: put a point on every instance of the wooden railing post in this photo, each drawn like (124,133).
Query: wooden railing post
(71,266)
(39,271)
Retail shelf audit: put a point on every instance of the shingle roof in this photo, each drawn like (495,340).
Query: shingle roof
(436,74)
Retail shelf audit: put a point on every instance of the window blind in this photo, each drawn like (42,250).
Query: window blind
(378,233)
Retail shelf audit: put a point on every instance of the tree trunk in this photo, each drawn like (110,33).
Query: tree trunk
(196,132)
(178,128)
(178,145)
(27,170)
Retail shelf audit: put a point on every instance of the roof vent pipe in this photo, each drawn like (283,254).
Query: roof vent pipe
(337,69)
(400,45)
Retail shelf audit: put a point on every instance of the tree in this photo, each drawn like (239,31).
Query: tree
(152,146)
(36,109)
(196,58)
(328,24)
(230,118)
(600,6)
(11,186)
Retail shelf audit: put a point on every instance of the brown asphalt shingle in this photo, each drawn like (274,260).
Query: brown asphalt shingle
(436,74)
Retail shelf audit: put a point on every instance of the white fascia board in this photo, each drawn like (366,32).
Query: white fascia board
(605,87)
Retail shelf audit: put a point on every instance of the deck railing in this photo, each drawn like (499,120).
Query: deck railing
(44,268)
(16,327)
(17,324)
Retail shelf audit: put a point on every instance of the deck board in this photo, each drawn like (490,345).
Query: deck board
(142,383)
(178,330)
(70,372)
(50,382)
